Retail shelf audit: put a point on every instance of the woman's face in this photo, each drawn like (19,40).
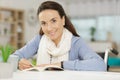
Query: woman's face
(52,24)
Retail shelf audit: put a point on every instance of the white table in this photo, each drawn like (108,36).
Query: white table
(65,75)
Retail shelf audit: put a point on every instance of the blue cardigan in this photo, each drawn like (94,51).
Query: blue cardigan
(81,56)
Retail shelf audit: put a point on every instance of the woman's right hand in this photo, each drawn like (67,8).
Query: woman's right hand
(24,64)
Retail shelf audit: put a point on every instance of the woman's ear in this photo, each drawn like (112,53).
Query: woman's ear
(63,20)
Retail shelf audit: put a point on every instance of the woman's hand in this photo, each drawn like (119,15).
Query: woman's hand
(24,64)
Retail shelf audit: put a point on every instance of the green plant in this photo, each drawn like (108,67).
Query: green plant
(6,51)
(33,62)
(92,32)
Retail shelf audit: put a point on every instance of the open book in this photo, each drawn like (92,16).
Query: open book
(46,68)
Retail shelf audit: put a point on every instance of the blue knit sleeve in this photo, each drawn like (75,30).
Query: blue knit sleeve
(29,49)
(83,58)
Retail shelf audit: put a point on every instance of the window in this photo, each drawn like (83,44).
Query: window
(83,26)
(103,24)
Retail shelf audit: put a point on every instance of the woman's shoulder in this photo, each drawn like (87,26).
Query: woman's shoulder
(78,40)
(37,37)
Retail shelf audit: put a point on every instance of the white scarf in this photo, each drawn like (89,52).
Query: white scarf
(58,53)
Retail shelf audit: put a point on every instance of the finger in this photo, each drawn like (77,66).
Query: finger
(25,65)
(24,62)
(22,67)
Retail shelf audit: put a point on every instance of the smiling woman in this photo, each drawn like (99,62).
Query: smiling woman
(58,43)
(52,24)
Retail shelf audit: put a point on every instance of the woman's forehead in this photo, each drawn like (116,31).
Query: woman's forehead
(48,15)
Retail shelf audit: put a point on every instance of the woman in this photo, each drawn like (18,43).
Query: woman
(58,43)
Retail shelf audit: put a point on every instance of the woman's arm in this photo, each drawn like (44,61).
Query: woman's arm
(29,49)
(82,58)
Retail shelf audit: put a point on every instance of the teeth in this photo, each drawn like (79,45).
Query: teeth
(52,33)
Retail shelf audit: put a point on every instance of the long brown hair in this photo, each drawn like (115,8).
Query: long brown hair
(56,6)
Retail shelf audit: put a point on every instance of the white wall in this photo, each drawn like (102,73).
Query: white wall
(83,8)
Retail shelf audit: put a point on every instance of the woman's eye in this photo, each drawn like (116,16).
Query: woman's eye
(53,21)
(43,23)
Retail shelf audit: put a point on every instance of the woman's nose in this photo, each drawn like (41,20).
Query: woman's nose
(49,27)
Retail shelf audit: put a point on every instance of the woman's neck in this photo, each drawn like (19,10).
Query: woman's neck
(57,41)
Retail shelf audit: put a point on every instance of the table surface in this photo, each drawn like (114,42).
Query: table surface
(64,75)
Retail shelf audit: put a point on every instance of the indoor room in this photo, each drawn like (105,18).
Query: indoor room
(97,22)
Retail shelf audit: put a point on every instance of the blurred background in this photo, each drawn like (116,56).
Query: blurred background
(96,21)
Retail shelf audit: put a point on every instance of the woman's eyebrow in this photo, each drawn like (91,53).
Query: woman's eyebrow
(49,20)
(53,18)
(42,21)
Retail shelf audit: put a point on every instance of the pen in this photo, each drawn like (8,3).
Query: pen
(32,64)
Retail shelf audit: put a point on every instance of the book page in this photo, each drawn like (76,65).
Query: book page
(33,69)
(46,68)
(53,68)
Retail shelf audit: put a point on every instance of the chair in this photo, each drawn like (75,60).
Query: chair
(105,55)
